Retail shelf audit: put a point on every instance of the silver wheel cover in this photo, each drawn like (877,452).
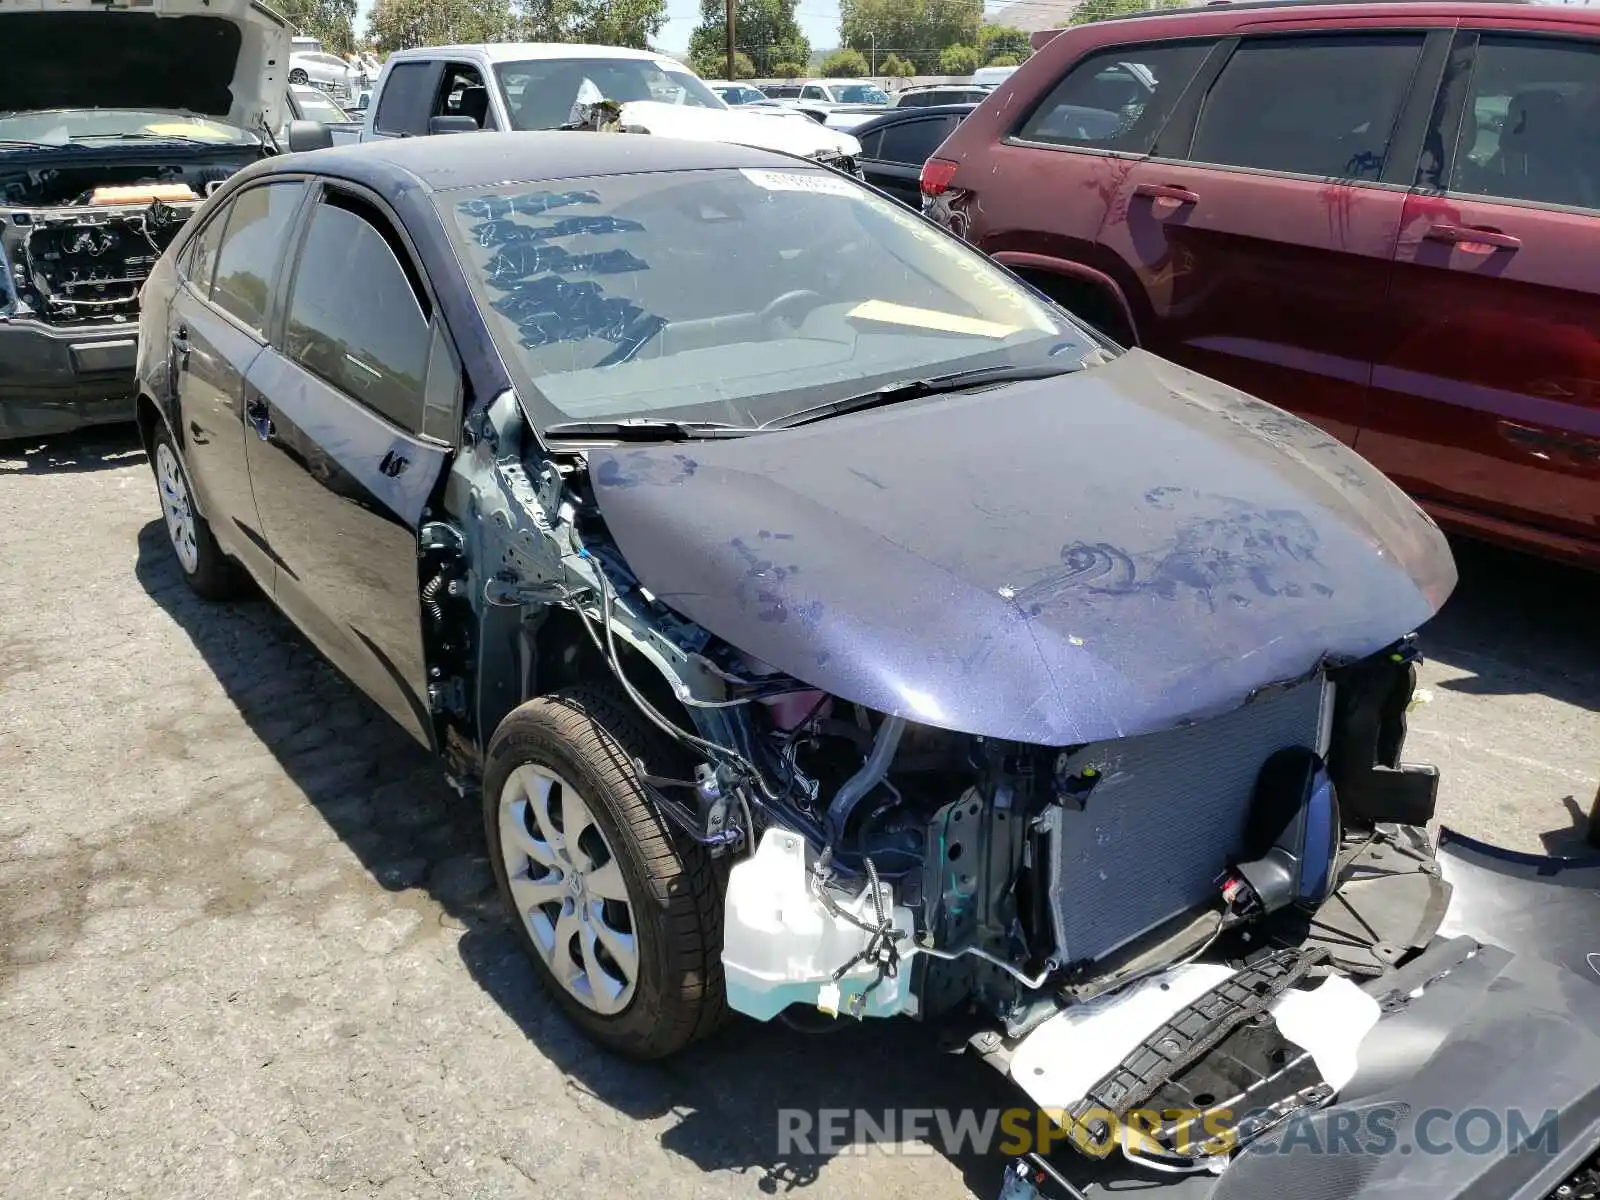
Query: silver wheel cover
(568,890)
(175,506)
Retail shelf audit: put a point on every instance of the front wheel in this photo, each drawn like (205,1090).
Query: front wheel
(209,572)
(622,918)
(298,76)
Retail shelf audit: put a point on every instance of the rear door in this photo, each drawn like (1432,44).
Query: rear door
(892,157)
(1489,405)
(216,331)
(360,392)
(1255,245)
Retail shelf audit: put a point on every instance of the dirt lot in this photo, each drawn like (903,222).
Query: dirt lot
(248,944)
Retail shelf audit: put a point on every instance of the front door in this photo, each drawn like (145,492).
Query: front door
(216,328)
(1257,249)
(341,469)
(1489,406)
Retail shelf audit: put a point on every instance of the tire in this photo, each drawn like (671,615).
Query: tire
(298,76)
(581,744)
(210,573)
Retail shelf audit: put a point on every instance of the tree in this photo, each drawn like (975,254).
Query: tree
(845,64)
(788,70)
(402,24)
(912,29)
(765,30)
(895,67)
(1003,41)
(958,60)
(604,22)
(330,21)
(1099,10)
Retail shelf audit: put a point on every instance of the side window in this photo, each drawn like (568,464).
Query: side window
(1116,99)
(403,102)
(252,244)
(915,100)
(200,256)
(354,319)
(812,92)
(462,94)
(1334,103)
(1531,130)
(912,142)
(870,143)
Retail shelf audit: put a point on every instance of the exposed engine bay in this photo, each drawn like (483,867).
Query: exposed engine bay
(78,238)
(1019,893)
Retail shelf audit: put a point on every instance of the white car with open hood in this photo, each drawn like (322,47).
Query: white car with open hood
(115,123)
(538,85)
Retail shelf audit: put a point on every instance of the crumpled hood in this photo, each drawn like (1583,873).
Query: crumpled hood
(1097,555)
(219,58)
(765,131)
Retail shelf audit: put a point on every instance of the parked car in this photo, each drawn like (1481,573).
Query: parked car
(991,77)
(895,145)
(735,94)
(102,158)
(310,104)
(854,631)
(930,94)
(311,65)
(1395,247)
(532,86)
(837,103)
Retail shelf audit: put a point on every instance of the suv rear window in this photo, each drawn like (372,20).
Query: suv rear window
(1323,106)
(1532,128)
(1116,99)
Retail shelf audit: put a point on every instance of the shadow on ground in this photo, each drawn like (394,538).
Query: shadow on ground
(1519,625)
(99,449)
(387,800)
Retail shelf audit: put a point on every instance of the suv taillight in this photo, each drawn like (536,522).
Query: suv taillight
(936,176)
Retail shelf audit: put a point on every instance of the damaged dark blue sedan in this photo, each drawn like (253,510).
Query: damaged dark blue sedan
(835,629)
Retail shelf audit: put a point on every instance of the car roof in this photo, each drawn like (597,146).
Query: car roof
(497,52)
(1332,11)
(450,161)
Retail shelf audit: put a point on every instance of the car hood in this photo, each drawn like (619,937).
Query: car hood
(1100,554)
(765,131)
(218,58)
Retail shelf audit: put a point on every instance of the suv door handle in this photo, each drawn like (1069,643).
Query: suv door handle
(260,418)
(1472,240)
(1167,196)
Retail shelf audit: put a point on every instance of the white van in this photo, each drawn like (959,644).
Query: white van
(991,77)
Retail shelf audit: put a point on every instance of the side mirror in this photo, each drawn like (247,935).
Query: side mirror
(309,135)
(452,125)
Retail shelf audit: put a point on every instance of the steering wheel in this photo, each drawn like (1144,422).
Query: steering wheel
(789,307)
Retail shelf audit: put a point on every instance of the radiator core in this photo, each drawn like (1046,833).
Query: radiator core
(1166,817)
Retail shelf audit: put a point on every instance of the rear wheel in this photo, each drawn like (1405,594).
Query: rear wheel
(209,572)
(298,75)
(622,919)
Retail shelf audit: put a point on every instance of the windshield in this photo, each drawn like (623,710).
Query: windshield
(859,93)
(314,106)
(541,93)
(735,296)
(103,126)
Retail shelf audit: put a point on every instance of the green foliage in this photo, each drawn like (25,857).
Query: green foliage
(788,70)
(958,60)
(895,67)
(764,30)
(332,21)
(1003,41)
(1099,10)
(402,24)
(911,29)
(845,64)
(605,22)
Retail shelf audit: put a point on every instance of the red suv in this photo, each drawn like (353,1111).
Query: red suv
(1383,216)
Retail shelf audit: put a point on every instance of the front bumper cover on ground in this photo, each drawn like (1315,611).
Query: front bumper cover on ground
(56,380)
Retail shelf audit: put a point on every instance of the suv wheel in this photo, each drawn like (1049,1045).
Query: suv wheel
(622,919)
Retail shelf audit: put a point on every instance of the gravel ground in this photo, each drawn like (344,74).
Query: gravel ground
(249,945)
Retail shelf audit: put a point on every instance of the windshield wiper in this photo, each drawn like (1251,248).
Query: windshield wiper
(916,389)
(645,429)
(147,137)
(24,144)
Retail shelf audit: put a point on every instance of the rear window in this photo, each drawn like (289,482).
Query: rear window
(1332,111)
(732,295)
(1116,99)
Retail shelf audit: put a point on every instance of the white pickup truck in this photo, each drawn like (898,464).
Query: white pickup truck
(539,85)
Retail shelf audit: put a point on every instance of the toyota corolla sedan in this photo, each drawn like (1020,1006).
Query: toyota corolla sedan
(834,629)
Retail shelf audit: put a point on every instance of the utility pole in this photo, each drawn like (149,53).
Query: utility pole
(874,68)
(731,76)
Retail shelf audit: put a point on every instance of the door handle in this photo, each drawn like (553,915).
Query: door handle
(260,419)
(1165,196)
(180,344)
(1471,240)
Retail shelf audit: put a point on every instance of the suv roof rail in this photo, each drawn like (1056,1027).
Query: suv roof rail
(1181,9)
